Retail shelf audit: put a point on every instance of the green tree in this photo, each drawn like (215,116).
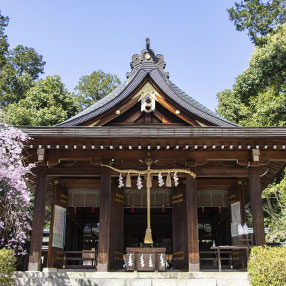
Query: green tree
(95,86)
(258,97)
(23,66)
(45,104)
(27,60)
(229,105)
(19,68)
(275,207)
(258,17)
(3,40)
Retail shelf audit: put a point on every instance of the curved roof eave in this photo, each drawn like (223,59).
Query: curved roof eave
(130,85)
(109,101)
(186,101)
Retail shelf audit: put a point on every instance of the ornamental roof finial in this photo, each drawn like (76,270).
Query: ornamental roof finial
(147,43)
(146,59)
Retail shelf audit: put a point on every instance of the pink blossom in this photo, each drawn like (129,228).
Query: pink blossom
(15,195)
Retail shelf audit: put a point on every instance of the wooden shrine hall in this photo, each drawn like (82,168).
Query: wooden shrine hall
(147,175)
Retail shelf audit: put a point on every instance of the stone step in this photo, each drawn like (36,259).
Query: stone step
(75,278)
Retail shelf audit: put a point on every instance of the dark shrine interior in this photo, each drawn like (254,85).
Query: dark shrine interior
(82,227)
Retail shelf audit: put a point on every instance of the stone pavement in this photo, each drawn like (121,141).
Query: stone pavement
(88,278)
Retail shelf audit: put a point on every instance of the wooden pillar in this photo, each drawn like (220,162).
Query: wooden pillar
(38,220)
(179,221)
(50,247)
(104,220)
(192,224)
(116,232)
(256,205)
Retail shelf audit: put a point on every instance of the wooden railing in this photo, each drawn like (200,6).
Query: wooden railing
(78,259)
(209,259)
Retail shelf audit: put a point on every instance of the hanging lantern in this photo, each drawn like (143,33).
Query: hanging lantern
(128,181)
(120,181)
(219,210)
(203,210)
(92,210)
(168,181)
(74,210)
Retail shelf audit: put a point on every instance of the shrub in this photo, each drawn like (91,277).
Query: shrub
(267,266)
(7,267)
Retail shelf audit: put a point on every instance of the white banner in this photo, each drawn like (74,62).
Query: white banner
(59,227)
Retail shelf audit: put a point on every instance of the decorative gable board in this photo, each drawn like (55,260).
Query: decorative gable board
(134,116)
(163,111)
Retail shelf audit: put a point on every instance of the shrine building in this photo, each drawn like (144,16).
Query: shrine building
(148,175)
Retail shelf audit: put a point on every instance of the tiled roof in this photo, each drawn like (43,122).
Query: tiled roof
(161,79)
(247,133)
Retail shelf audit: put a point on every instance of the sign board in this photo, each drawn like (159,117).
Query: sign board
(235,212)
(59,227)
(235,218)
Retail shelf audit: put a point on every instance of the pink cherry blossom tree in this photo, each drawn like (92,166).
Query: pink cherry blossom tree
(14,193)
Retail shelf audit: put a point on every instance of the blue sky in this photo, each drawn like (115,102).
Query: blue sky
(203,51)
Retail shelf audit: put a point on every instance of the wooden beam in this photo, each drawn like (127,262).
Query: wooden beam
(161,117)
(82,182)
(215,183)
(256,206)
(38,220)
(217,172)
(133,117)
(71,172)
(198,156)
(201,172)
(173,109)
(192,224)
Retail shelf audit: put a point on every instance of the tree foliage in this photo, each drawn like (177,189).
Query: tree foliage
(45,104)
(19,68)
(95,86)
(258,17)
(14,194)
(258,97)
(7,267)
(3,40)
(27,100)
(274,197)
(267,266)
(17,76)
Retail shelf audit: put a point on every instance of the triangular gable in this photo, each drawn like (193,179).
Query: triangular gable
(147,81)
(133,110)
